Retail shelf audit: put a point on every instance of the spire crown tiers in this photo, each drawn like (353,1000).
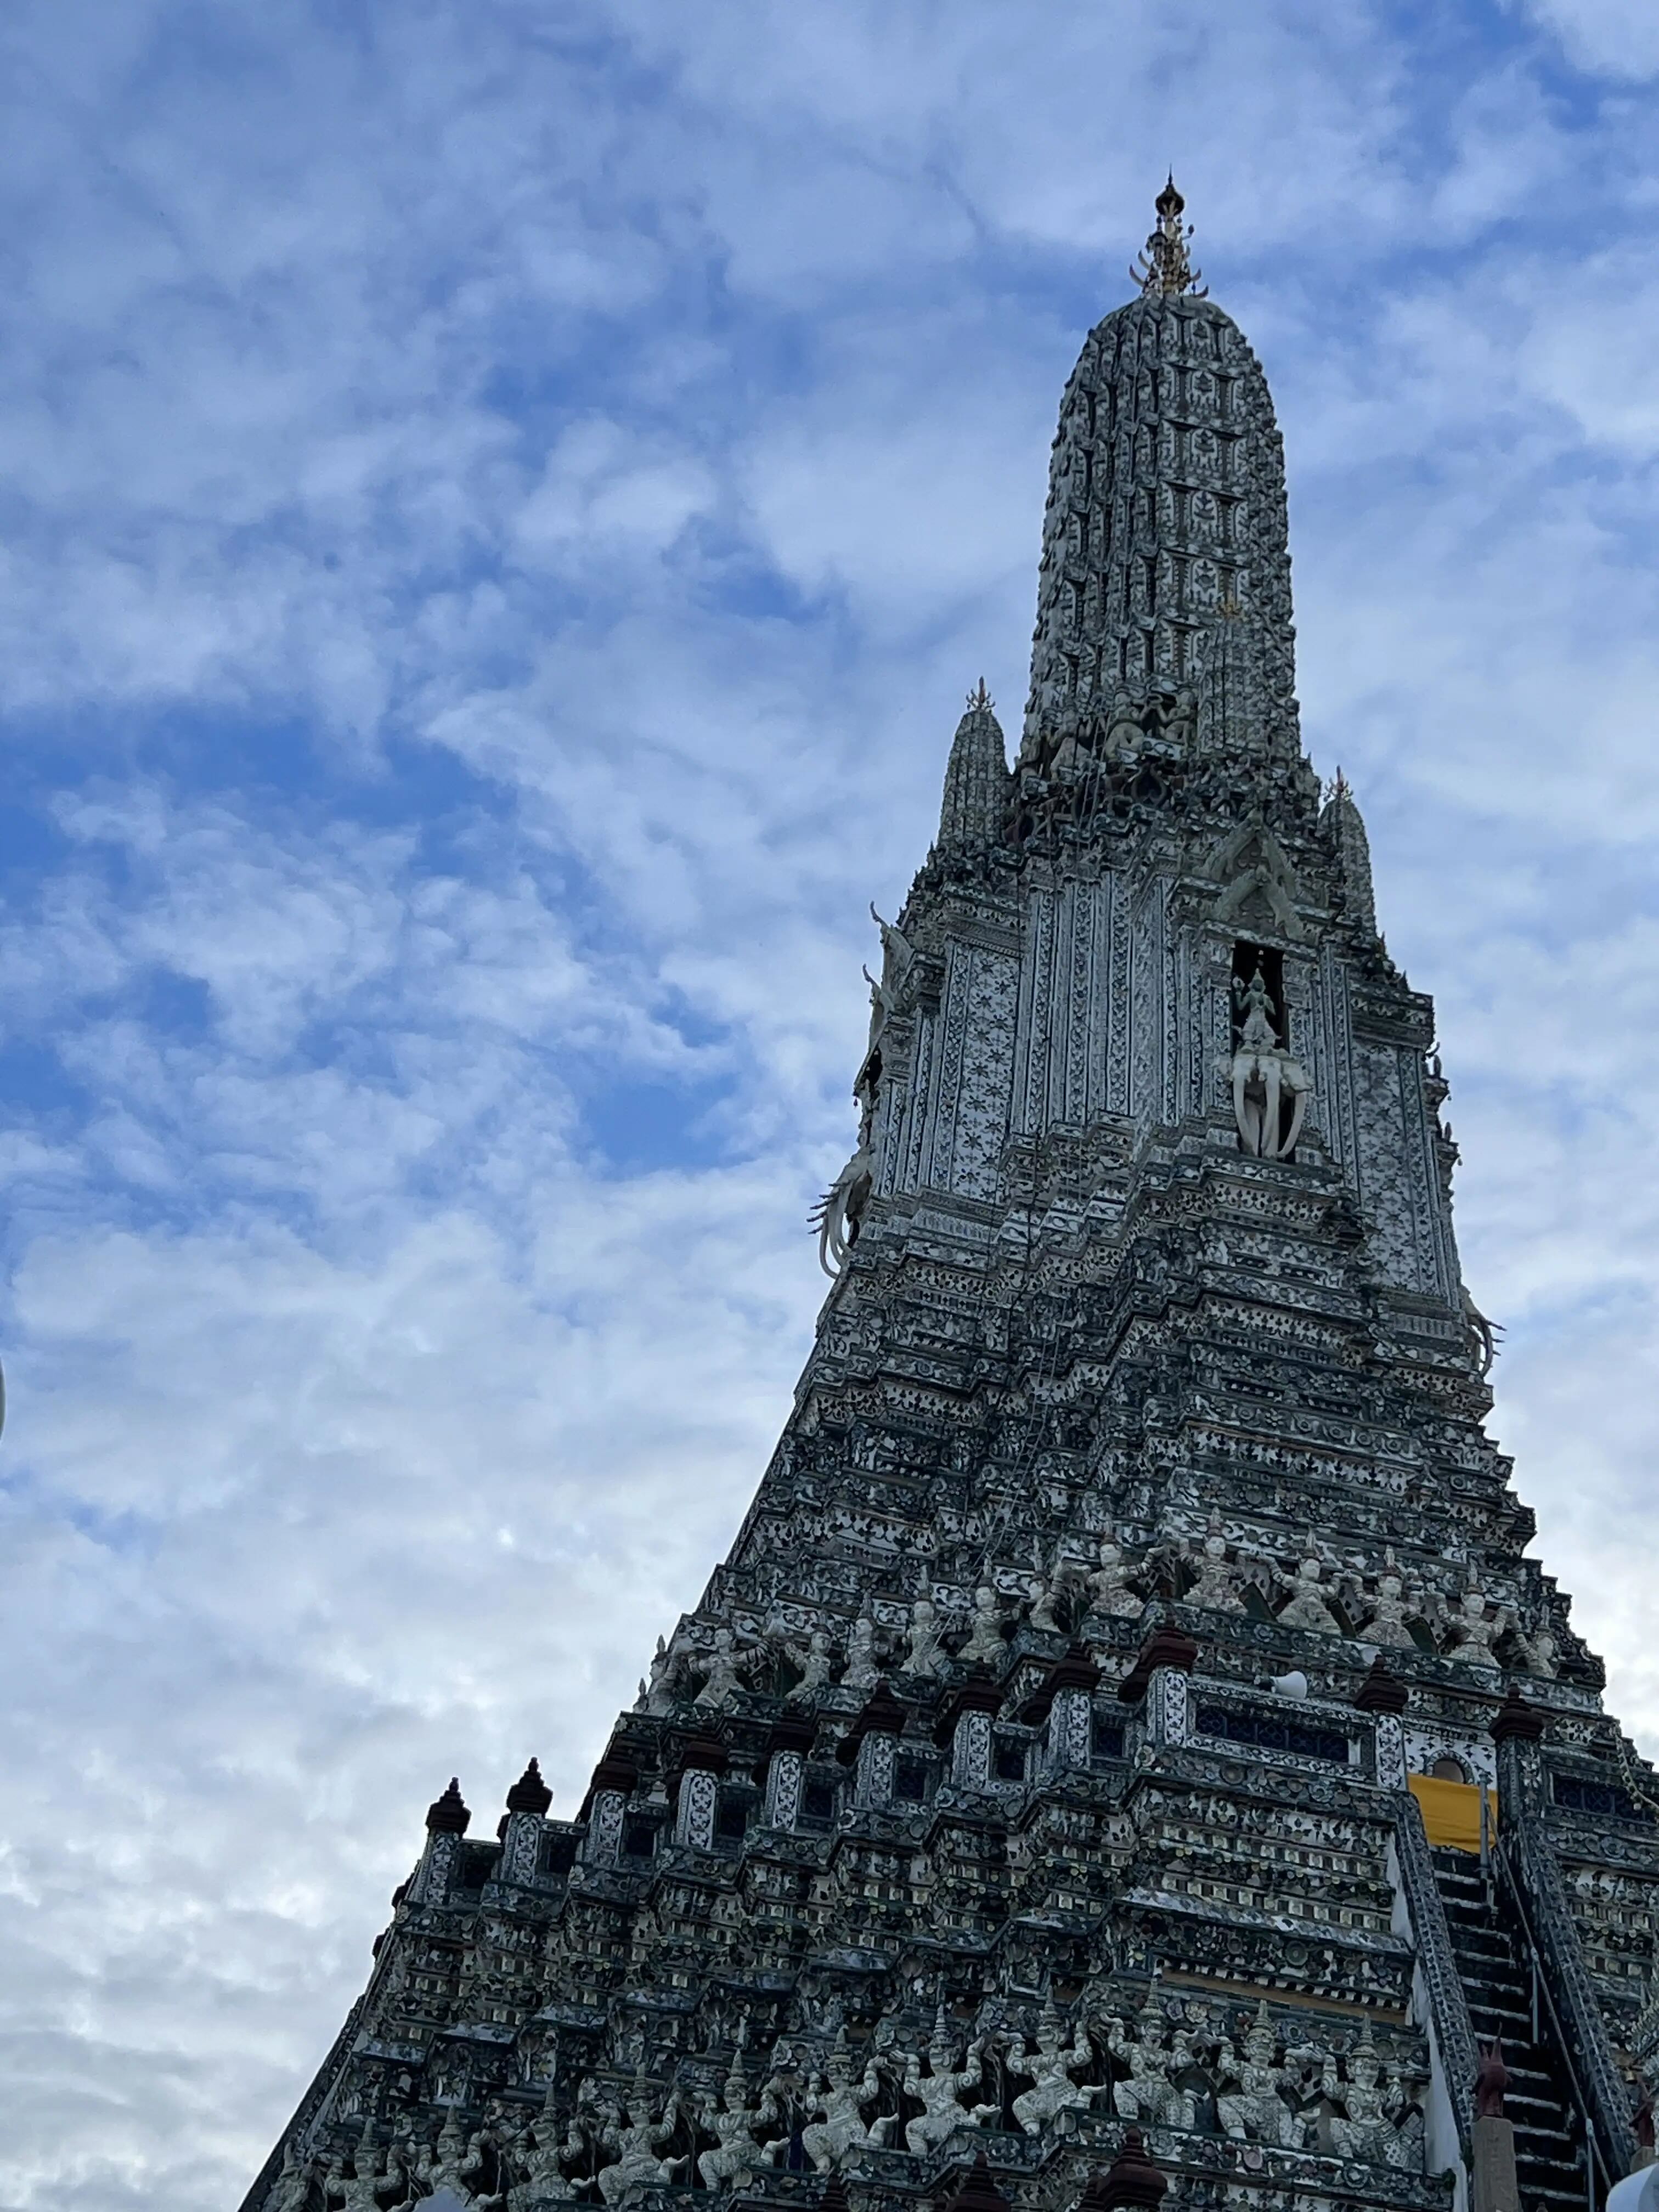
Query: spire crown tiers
(1164,268)
(530,1793)
(1164,599)
(449,1815)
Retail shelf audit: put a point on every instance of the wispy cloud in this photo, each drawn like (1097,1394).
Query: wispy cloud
(497,519)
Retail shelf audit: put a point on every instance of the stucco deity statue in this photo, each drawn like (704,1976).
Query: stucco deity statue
(1110,1584)
(736,2157)
(540,2155)
(986,1644)
(1263,1075)
(863,1670)
(657,1696)
(1386,1625)
(940,2092)
(1150,2095)
(1253,2108)
(1306,1607)
(1474,1629)
(923,1650)
(1538,1650)
(370,2179)
(295,2183)
(727,1667)
(841,2102)
(815,1658)
(1365,2125)
(1217,1582)
(638,2138)
(1040,1594)
(454,2164)
(1049,2069)
(897,954)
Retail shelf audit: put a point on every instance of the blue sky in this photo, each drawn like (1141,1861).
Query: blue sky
(501,505)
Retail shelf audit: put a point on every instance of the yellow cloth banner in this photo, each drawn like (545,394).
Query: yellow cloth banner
(1452,1811)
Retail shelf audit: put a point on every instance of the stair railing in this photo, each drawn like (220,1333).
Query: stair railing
(1609,2139)
(1449,2007)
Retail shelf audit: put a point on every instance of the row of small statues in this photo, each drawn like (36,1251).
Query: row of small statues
(1379,1613)
(1163,2077)
(1207,1573)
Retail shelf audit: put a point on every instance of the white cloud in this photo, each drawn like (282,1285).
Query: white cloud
(1615,38)
(496,533)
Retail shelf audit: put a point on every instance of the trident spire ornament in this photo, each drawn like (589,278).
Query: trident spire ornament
(1163,268)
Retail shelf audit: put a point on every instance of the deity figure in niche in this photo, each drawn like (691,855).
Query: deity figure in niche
(841,2102)
(725,1669)
(1216,1583)
(738,2156)
(1151,2096)
(1474,1629)
(940,2092)
(815,1658)
(1050,2069)
(1109,1583)
(923,1650)
(863,1670)
(1306,1607)
(1386,1625)
(1254,2109)
(986,1644)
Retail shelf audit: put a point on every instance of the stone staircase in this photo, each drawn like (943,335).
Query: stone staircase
(1493,1964)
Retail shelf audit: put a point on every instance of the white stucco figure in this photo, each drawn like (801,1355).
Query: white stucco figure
(986,1644)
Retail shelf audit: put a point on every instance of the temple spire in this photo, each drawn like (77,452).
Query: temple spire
(1353,852)
(1165,526)
(975,781)
(1164,267)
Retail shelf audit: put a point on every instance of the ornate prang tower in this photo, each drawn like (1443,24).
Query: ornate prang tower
(1127,1706)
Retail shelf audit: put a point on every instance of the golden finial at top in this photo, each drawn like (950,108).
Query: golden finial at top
(1164,267)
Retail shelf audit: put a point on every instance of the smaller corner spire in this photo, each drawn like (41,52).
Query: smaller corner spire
(1164,268)
(448,1816)
(976,780)
(530,1793)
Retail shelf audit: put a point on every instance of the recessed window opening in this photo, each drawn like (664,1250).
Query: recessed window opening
(1105,1737)
(1250,961)
(819,1802)
(1008,1761)
(909,1781)
(731,1820)
(1449,1770)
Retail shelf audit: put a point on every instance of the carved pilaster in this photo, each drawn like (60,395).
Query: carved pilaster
(873,1784)
(521,1845)
(970,1751)
(447,1822)
(1070,1727)
(435,1873)
(1390,1751)
(605,1827)
(1168,1708)
(694,1811)
(781,1807)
